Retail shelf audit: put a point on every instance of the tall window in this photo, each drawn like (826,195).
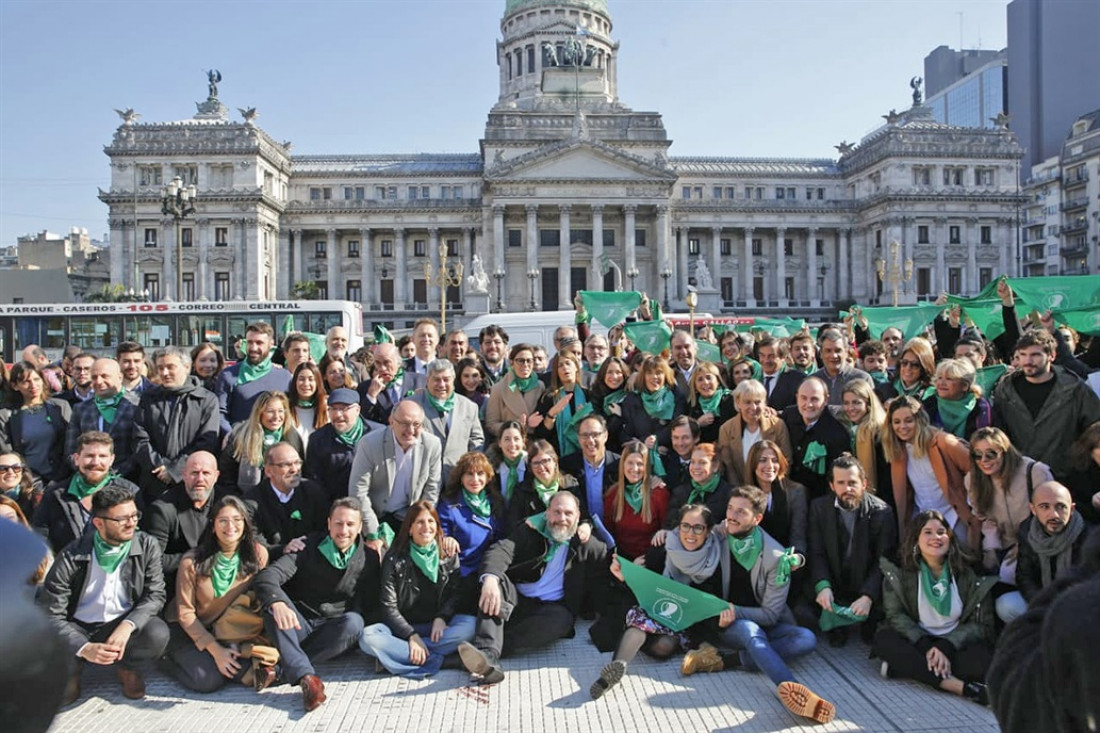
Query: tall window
(420,248)
(819,247)
(186,237)
(150,237)
(387,248)
(987,234)
(149,175)
(221,236)
(188,281)
(757,247)
(151,282)
(515,237)
(725,247)
(221,286)
(788,247)
(693,246)
(954,280)
(452,248)
(353,248)
(922,234)
(354,291)
(954,235)
(639,238)
(320,249)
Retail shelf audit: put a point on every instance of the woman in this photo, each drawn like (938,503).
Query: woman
(635,508)
(607,393)
(508,457)
(999,488)
(939,623)
(207,362)
(916,365)
(927,468)
(10,511)
(741,369)
(35,426)
(709,402)
(517,394)
(754,422)
(691,555)
(732,345)
(19,484)
(209,590)
(957,405)
(543,480)
(788,507)
(336,374)
(473,383)
(865,419)
(560,407)
(1084,478)
(654,403)
(419,595)
(241,463)
(308,401)
(471,509)
(705,485)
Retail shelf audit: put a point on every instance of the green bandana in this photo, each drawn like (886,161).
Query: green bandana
(354,433)
(712,403)
(660,404)
(271,437)
(614,398)
(249,373)
(524,385)
(513,474)
(545,492)
(444,406)
(788,563)
(539,524)
(745,551)
(700,491)
(633,495)
(396,378)
(108,408)
(918,390)
(330,552)
(224,572)
(807,370)
(565,425)
(479,503)
(426,558)
(305,404)
(814,458)
(838,617)
(879,378)
(80,488)
(988,376)
(109,557)
(953,413)
(936,591)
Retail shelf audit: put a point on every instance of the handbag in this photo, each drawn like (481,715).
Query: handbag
(241,621)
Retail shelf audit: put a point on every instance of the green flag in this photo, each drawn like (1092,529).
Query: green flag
(778,327)
(610,308)
(652,337)
(1084,320)
(988,376)
(839,616)
(382,334)
(1056,293)
(706,351)
(910,319)
(668,602)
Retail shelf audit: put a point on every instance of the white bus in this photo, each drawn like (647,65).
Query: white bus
(99,327)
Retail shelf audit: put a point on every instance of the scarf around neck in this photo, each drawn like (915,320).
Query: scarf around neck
(545,492)
(426,558)
(746,550)
(397,377)
(539,524)
(659,405)
(700,491)
(523,384)
(937,591)
(224,572)
(353,434)
(271,437)
(250,373)
(513,474)
(443,406)
(632,494)
(479,503)
(953,413)
(108,408)
(1058,546)
(713,403)
(80,488)
(332,553)
(109,556)
(691,566)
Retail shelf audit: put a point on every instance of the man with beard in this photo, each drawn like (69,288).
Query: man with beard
(81,370)
(758,626)
(240,385)
(332,447)
(817,438)
(284,505)
(174,420)
(493,341)
(131,360)
(336,344)
(110,410)
(850,531)
(177,519)
(532,586)
(390,383)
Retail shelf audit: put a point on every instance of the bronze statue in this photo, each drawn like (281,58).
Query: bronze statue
(214,76)
(915,84)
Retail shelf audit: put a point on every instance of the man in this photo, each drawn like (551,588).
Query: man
(772,355)
(758,626)
(971,348)
(803,352)
(893,339)
(390,383)
(104,592)
(532,586)
(295,352)
(36,355)
(1043,409)
(177,519)
(596,349)
(425,338)
(456,345)
(393,469)
(493,341)
(448,416)
(542,360)
(684,351)
(174,420)
(131,360)
(284,505)
(595,468)
(67,505)
(240,385)
(817,438)
(684,434)
(314,600)
(851,529)
(874,361)
(111,411)
(783,388)
(81,391)
(336,344)
(332,447)
(837,371)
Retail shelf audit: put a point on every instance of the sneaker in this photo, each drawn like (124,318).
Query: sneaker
(800,700)
(704,659)
(609,677)
(477,663)
(977,692)
(884,671)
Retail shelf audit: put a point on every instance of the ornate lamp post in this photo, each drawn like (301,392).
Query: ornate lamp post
(533,276)
(632,273)
(178,202)
(445,278)
(893,272)
(692,301)
(665,275)
(498,275)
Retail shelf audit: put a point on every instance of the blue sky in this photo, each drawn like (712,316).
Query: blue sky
(778,78)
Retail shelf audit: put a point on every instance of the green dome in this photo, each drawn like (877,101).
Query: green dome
(595,6)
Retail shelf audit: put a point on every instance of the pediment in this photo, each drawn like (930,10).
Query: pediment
(579,160)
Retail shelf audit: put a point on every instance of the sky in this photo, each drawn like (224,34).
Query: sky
(745,78)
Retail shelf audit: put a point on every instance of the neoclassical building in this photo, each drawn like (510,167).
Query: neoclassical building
(570,189)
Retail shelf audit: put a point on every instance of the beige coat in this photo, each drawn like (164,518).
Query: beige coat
(730,446)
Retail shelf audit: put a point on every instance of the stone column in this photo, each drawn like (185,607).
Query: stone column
(401,279)
(565,298)
(781,266)
(746,268)
(811,268)
(433,258)
(119,255)
(716,257)
(202,287)
(300,273)
(682,269)
(843,246)
(368,287)
(282,259)
(860,253)
(663,256)
(532,248)
(332,257)
(971,256)
(468,258)
(596,282)
(498,234)
(629,226)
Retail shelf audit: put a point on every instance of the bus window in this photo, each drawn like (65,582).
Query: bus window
(193,330)
(322,322)
(54,334)
(238,325)
(150,331)
(95,333)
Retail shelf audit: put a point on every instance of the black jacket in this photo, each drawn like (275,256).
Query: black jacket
(1029,573)
(785,392)
(275,522)
(406,592)
(525,501)
(328,460)
(86,417)
(716,501)
(638,424)
(874,536)
(60,518)
(176,525)
(829,433)
(170,426)
(58,413)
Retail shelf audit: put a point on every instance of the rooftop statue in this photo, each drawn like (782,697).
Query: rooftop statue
(214,76)
(915,84)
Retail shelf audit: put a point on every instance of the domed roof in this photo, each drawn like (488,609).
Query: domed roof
(595,6)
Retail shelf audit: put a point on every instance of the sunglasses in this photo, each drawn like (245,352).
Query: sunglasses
(989,455)
(14,468)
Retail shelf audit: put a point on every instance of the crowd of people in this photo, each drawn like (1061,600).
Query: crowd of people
(441,506)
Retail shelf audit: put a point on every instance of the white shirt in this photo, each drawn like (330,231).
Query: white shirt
(402,480)
(749,438)
(930,619)
(104,598)
(926,487)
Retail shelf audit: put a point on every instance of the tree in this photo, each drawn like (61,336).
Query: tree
(109,294)
(305,290)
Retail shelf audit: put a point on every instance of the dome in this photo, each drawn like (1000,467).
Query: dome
(595,6)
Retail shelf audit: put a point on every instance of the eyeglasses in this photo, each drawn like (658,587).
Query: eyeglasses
(128,519)
(524,361)
(989,455)
(909,363)
(695,529)
(590,436)
(411,425)
(14,468)
(543,462)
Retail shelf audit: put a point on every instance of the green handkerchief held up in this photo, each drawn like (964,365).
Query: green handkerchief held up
(814,458)
(668,602)
(652,337)
(610,308)
(838,617)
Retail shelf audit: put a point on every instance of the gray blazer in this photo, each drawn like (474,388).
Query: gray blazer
(375,464)
(464,435)
(771,596)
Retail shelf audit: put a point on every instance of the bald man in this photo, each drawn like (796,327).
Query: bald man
(112,411)
(390,383)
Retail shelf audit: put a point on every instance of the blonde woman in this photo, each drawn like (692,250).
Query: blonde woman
(865,418)
(241,464)
(753,423)
(709,402)
(957,405)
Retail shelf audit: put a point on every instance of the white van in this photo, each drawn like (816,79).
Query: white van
(537,327)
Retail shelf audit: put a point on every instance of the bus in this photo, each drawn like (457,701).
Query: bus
(99,327)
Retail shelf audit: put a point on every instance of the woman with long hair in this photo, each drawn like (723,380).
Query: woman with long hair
(607,393)
(939,622)
(19,484)
(957,405)
(709,402)
(652,405)
(472,382)
(561,406)
(754,422)
(35,425)
(1083,480)
(271,421)
(207,362)
(335,374)
(471,509)
(508,458)
(635,508)
(418,599)
(916,367)
(308,400)
(862,413)
(543,479)
(210,585)
(517,394)
(788,509)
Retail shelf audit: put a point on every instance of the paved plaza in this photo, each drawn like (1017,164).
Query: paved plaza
(545,691)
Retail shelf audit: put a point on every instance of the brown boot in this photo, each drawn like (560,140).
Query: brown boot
(313,692)
(133,684)
(704,659)
(800,700)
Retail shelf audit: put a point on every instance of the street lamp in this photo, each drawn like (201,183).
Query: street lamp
(632,273)
(692,301)
(446,277)
(665,275)
(824,270)
(533,276)
(894,272)
(178,202)
(498,275)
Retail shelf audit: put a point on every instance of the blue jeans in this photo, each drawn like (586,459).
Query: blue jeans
(379,642)
(769,648)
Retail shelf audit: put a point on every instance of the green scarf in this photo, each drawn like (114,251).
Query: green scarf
(614,398)
(513,474)
(330,552)
(80,488)
(711,404)
(397,377)
(305,404)
(271,437)
(538,523)
(443,406)
(807,370)
(746,550)
(479,503)
(700,491)
(524,385)
(224,572)
(108,556)
(426,558)
(788,562)
(108,408)
(953,413)
(881,377)
(545,492)
(354,433)
(632,493)
(249,373)
(660,404)
(918,390)
(814,458)
(565,425)
(936,591)
(838,617)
